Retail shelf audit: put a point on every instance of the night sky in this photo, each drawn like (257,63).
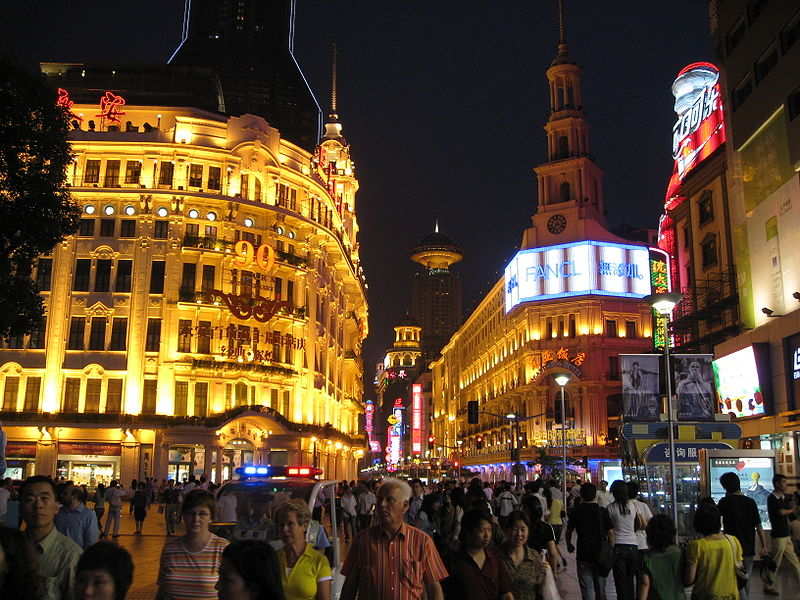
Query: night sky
(443,104)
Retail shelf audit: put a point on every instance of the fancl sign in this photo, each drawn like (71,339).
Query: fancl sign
(577,269)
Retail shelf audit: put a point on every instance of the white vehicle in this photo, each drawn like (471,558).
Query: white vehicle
(260,488)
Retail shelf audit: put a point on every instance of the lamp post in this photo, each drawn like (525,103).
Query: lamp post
(562,379)
(663,304)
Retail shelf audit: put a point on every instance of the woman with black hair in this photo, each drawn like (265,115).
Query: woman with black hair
(661,564)
(623,538)
(104,572)
(711,561)
(541,536)
(19,567)
(249,571)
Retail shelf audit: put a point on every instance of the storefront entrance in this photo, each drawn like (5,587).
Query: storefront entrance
(236,454)
(88,464)
(186,460)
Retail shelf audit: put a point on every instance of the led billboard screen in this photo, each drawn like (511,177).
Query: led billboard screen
(740,388)
(577,269)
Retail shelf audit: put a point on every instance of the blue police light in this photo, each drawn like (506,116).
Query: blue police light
(262,470)
(250,470)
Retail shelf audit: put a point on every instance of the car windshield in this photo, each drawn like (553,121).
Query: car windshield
(246,509)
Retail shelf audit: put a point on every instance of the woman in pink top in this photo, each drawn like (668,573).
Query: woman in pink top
(190,564)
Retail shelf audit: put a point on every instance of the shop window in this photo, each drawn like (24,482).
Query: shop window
(44,274)
(153,338)
(166,173)
(33,387)
(204,337)
(112,174)
(114,396)
(196,175)
(709,251)
(133,171)
(92,172)
(611,328)
(107,227)
(38,335)
(181,398)
(86,228)
(184,335)
(102,276)
(161,230)
(92,404)
(149,395)
(123,282)
(127,228)
(200,399)
(157,268)
(214,178)
(97,334)
(119,330)
(630,329)
(10,393)
(72,393)
(706,207)
(77,327)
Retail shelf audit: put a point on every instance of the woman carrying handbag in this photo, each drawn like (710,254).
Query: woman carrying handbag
(711,560)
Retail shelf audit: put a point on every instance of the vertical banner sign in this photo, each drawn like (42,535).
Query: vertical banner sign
(369,417)
(394,440)
(416,418)
(640,386)
(694,386)
(660,283)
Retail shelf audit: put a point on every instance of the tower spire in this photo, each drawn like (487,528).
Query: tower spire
(563,51)
(436,225)
(333,78)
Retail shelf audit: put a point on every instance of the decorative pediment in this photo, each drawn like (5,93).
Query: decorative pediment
(98,309)
(103,252)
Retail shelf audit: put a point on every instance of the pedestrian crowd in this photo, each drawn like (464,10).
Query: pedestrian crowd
(458,540)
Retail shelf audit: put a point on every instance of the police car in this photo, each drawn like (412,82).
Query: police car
(246,506)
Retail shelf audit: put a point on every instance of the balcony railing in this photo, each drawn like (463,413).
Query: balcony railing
(291,259)
(206,243)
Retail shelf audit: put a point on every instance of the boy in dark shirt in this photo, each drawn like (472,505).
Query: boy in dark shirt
(592,523)
(780,505)
(740,519)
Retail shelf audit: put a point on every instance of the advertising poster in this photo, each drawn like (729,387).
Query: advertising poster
(640,386)
(694,386)
(738,385)
(755,475)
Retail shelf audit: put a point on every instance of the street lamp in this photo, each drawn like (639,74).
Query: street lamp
(562,379)
(663,304)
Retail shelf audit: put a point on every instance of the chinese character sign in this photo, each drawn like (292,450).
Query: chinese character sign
(640,386)
(110,104)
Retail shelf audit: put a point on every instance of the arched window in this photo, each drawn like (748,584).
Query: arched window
(568,405)
(564,192)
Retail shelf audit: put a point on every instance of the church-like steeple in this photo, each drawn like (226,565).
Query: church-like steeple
(570,183)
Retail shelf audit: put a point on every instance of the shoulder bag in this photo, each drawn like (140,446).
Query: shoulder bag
(738,568)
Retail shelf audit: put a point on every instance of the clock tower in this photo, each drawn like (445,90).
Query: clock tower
(570,193)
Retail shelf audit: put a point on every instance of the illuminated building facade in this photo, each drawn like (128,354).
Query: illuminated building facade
(570,300)
(400,406)
(696,228)
(209,311)
(436,291)
(758,47)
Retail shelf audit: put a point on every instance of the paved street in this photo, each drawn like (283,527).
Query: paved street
(146,550)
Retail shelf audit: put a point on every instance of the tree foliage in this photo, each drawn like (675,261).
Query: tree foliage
(36,211)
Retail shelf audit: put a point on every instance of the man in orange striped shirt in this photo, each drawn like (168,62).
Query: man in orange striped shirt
(393,560)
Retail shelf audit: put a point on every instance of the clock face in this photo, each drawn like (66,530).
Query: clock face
(556,224)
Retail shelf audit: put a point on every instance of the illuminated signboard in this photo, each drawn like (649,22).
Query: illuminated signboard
(369,414)
(791,352)
(742,380)
(660,282)
(416,418)
(577,269)
(394,439)
(700,127)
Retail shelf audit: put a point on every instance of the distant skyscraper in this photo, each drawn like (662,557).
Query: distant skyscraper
(250,43)
(436,292)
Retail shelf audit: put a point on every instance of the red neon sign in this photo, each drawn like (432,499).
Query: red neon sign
(700,127)
(64,101)
(416,418)
(110,104)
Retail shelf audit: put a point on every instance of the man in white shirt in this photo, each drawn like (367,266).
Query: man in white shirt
(364,506)
(604,497)
(643,511)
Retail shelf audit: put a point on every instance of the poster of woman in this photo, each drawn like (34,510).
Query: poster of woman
(694,387)
(640,383)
